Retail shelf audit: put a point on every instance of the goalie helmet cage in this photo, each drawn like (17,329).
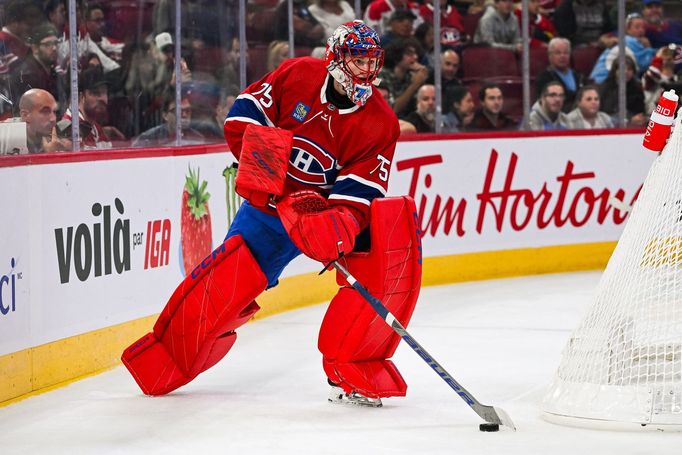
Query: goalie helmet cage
(622,366)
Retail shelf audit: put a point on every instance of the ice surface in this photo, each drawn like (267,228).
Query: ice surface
(501,339)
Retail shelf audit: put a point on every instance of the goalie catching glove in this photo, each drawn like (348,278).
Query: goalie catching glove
(320,231)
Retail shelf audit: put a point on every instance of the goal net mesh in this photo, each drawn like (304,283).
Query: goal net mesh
(624,361)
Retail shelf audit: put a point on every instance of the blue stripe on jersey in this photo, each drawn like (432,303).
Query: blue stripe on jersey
(244,107)
(355,189)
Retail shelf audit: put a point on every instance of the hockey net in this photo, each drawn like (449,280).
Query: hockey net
(622,366)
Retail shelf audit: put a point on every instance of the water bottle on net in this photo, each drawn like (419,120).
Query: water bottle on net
(661,122)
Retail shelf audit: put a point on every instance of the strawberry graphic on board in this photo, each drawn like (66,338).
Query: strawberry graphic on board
(195,221)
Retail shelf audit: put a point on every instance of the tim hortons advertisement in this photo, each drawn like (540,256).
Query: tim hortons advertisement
(494,194)
(92,244)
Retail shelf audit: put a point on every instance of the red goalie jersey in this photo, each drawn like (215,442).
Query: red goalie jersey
(343,153)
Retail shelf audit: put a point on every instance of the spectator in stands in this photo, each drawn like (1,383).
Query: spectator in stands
(546,113)
(449,66)
(424,35)
(278,51)
(379,12)
(583,21)
(586,115)
(382,88)
(637,44)
(307,30)
(402,73)
(90,61)
(224,106)
(95,25)
(6,103)
(93,101)
(204,97)
(406,128)
(559,69)
(38,109)
(489,116)
(540,28)
(165,133)
(332,13)
(659,30)
(660,73)
(20,19)
(461,110)
(547,8)
(166,75)
(38,70)
(452,30)
(400,25)
(424,116)
(55,11)
(499,28)
(151,73)
(86,45)
(228,77)
(477,7)
(634,104)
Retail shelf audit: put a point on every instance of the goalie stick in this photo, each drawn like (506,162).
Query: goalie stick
(490,414)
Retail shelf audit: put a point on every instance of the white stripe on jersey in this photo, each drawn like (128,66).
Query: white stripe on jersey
(365,182)
(345,197)
(243,119)
(251,98)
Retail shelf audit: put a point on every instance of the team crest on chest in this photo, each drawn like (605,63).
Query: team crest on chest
(300,112)
(309,163)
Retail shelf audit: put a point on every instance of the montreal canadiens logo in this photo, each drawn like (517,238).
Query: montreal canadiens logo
(311,164)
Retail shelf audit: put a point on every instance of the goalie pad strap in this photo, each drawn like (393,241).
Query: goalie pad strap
(351,332)
(196,328)
(263,162)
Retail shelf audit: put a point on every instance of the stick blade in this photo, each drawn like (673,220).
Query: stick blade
(492,414)
(503,418)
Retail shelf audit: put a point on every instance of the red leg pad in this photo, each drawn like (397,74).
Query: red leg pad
(196,328)
(354,340)
(373,378)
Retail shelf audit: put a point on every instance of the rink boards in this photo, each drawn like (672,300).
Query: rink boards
(91,247)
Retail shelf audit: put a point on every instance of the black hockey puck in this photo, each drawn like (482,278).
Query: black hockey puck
(489,427)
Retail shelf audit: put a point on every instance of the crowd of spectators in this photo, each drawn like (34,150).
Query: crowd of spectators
(127,69)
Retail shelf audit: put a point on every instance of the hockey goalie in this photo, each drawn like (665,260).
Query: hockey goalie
(314,148)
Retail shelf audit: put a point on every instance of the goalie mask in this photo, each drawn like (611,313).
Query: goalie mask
(354,58)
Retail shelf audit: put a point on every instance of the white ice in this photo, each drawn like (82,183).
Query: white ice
(501,339)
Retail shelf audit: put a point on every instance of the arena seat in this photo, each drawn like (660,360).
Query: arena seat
(470,23)
(584,58)
(539,60)
(258,61)
(483,62)
(261,29)
(209,59)
(128,18)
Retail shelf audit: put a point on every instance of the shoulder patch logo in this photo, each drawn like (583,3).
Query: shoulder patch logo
(300,112)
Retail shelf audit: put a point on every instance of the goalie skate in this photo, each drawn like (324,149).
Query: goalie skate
(337,395)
